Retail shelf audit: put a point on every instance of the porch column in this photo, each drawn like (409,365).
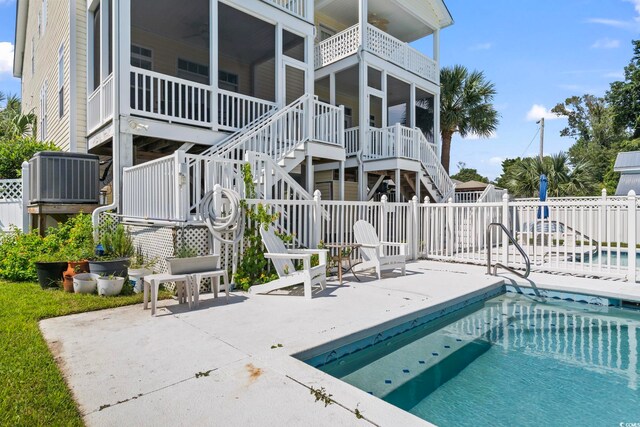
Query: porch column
(411,110)
(341,181)
(363,117)
(436,47)
(122,149)
(397,180)
(385,104)
(332,88)
(213,62)
(279,75)
(363,17)
(436,123)
(122,50)
(418,174)
(309,174)
(361,176)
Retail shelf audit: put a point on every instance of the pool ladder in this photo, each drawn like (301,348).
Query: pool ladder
(515,243)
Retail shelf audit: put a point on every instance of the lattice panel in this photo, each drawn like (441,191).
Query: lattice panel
(10,190)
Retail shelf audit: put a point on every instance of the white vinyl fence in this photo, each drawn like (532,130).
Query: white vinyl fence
(589,236)
(13,202)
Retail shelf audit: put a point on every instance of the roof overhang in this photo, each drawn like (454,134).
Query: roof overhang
(446,19)
(22,8)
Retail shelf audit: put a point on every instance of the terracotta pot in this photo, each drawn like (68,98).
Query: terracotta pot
(73,269)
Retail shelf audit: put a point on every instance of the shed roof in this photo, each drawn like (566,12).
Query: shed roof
(628,181)
(627,161)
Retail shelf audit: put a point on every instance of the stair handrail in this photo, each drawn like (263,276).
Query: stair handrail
(515,243)
(224,149)
(279,174)
(429,160)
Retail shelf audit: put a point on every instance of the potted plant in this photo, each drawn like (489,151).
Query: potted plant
(139,267)
(186,260)
(85,283)
(77,263)
(118,248)
(110,285)
(49,269)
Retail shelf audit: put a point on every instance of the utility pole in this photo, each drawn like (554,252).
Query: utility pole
(541,123)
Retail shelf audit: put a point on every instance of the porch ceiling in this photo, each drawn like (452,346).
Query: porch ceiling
(400,24)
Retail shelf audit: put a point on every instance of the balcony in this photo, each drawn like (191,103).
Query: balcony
(379,43)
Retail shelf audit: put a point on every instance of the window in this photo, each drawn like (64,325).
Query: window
(141,57)
(348,118)
(95,50)
(193,71)
(33,55)
(61,81)
(44,15)
(43,112)
(39,23)
(228,81)
(325,32)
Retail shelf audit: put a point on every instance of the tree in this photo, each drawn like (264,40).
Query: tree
(465,106)
(624,96)
(469,174)
(590,120)
(13,122)
(521,177)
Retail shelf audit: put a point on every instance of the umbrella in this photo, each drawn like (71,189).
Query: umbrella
(544,184)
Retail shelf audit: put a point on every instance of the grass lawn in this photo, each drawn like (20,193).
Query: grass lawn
(32,390)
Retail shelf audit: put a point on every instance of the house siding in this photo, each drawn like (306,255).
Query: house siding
(81,74)
(46,47)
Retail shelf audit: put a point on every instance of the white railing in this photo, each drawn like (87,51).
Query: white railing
(271,182)
(492,194)
(107,99)
(298,8)
(468,196)
(152,190)
(378,42)
(328,123)
(595,237)
(338,46)
(94,116)
(169,98)
(352,141)
(100,105)
(399,141)
(235,111)
(276,135)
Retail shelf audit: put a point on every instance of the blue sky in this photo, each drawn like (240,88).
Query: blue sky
(536,52)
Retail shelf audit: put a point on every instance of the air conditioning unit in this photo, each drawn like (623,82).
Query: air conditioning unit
(64,178)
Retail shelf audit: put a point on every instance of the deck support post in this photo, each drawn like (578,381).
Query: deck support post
(341,181)
(397,182)
(309,169)
(632,211)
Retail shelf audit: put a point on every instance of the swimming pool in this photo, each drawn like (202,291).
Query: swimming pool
(510,360)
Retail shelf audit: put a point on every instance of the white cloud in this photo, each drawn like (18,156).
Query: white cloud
(496,160)
(606,43)
(539,111)
(6,57)
(475,136)
(618,75)
(633,24)
(481,46)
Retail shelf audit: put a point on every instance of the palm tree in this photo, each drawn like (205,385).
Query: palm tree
(564,179)
(465,106)
(13,123)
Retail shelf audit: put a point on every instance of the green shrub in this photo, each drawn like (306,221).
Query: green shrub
(14,151)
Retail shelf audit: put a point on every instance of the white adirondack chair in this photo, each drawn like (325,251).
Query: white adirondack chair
(373,250)
(287,273)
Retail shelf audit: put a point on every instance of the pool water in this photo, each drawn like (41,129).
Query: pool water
(611,260)
(512,360)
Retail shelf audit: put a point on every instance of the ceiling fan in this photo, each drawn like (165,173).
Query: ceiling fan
(378,21)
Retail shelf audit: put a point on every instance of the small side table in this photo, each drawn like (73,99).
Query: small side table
(152,283)
(341,247)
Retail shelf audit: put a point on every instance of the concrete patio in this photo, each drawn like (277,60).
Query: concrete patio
(216,365)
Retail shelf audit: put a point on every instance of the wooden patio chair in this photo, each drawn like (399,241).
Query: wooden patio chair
(282,259)
(373,250)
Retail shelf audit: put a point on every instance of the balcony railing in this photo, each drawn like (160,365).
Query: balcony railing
(100,105)
(379,43)
(298,8)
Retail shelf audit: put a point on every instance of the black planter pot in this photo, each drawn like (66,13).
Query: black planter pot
(116,267)
(50,273)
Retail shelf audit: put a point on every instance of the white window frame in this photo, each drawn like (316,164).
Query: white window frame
(328,30)
(43,112)
(190,75)
(230,86)
(44,15)
(140,57)
(33,55)
(61,81)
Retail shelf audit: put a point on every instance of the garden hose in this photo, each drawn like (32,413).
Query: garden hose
(223,223)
